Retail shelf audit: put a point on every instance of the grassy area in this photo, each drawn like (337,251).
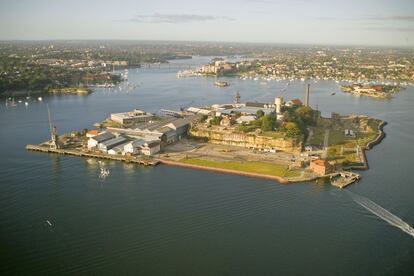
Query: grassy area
(336,137)
(252,167)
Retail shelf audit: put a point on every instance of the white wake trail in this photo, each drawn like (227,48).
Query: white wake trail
(382,213)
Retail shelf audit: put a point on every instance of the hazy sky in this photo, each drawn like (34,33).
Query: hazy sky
(362,22)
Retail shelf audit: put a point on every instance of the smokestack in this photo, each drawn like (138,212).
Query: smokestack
(307,90)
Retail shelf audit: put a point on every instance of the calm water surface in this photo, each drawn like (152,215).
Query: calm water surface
(170,221)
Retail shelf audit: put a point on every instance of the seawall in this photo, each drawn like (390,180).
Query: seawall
(227,171)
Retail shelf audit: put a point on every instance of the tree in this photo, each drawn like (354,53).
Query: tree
(268,123)
(216,121)
(291,129)
(306,115)
(260,113)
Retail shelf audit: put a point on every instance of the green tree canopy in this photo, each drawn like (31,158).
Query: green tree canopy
(291,129)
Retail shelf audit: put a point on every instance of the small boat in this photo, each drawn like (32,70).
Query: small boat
(13,103)
(221,83)
(49,223)
(26,103)
(39,99)
(333,93)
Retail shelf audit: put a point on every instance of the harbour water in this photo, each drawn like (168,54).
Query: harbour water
(58,216)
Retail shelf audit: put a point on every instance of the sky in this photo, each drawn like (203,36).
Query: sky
(318,22)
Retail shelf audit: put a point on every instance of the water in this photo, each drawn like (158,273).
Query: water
(382,213)
(165,220)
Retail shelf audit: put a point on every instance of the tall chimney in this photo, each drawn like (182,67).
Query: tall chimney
(307,88)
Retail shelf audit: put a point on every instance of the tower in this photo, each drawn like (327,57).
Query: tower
(325,145)
(278,104)
(237,98)
(307,90)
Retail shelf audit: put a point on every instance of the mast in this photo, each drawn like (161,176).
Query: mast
(53,133)
(237,97)
(50,120)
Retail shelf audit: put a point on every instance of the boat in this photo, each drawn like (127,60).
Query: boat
(39,99)
(333,93)
(221,83)
(13,103)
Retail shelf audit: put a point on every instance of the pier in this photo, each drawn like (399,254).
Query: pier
(344,179)
(98,155)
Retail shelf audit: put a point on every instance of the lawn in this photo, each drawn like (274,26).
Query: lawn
(252,167)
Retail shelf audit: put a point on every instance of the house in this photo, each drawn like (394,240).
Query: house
(95,140)
(134,147)
(226,121)
(109,144)
(246,119)
(321,167)
(294,102)
(151,147)
(92,133)
(349,133)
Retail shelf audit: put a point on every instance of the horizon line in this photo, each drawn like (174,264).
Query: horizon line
(213,41)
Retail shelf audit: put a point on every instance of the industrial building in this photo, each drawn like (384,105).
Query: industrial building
(95,140)
(132,117)
(111,143)
(133,147)
(150,148)
(321,167)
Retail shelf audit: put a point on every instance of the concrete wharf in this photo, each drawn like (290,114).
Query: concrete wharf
(98,155)
(345,179)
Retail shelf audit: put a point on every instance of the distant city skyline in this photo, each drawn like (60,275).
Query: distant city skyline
(322,22)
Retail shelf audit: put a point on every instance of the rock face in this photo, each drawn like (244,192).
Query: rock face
(249,140)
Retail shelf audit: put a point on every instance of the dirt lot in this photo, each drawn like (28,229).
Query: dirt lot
(193,149)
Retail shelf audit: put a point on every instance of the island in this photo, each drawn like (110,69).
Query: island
(287,141)
(376,91)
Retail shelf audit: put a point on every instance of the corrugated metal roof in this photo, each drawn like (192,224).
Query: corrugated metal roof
(103,137)
(114,141)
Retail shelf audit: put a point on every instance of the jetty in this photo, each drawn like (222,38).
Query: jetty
(98,155)
(344,179)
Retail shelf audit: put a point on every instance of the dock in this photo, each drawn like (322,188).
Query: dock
(98,155)
(344,179)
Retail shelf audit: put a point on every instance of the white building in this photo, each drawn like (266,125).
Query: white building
(134,147)
(117,150)
(135,116)
(94,141)
(111,143)
(150,148)
(246,119)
